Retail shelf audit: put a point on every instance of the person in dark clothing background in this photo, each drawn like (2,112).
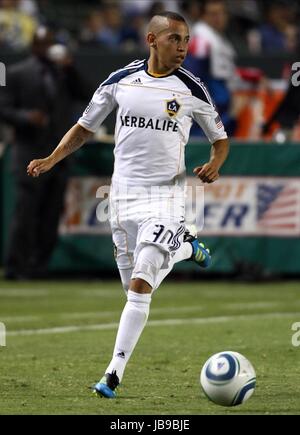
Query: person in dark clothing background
(38,102)
(286,114)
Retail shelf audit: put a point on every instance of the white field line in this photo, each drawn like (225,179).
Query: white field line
(166,310)
(99,314)
(165,322)
(20,319)
(251,305)
(23,293)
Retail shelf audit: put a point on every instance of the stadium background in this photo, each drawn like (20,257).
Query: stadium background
(258,92)
(259,181)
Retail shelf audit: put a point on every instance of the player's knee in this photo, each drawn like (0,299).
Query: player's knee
(148,264)
(140,286)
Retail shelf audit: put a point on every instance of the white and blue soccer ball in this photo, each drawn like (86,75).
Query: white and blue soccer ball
(228,378)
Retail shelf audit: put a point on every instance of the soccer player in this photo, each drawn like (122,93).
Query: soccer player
(157,101)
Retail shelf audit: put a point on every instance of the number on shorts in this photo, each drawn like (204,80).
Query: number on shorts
(162,236)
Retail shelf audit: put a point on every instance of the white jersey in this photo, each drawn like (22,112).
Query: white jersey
(154,117)
(207,42)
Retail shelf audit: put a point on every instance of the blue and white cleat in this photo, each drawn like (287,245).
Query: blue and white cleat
(107,385)
(201,254)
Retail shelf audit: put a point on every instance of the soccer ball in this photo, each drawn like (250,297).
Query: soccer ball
(228,378)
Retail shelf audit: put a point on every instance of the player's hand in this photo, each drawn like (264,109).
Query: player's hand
(37,167)
(207,173)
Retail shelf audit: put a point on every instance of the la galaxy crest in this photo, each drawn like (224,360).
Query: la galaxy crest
(173,107)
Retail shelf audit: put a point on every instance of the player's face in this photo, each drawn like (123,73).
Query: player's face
(172,44)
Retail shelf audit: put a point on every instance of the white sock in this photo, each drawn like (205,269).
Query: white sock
(133,320)
(183,253)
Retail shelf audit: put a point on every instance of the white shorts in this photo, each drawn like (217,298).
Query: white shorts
(139,222)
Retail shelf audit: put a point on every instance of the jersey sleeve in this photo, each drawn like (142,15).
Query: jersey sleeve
(205,114)
(100,106)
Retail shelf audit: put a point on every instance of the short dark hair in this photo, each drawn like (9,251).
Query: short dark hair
(172,16)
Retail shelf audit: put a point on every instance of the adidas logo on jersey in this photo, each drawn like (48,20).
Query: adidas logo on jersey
(137,82)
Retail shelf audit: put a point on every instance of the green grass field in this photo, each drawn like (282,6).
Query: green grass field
(60,337)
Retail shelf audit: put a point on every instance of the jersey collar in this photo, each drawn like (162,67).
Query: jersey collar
(157,76)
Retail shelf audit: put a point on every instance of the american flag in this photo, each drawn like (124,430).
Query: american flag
(277,207)
(219,122)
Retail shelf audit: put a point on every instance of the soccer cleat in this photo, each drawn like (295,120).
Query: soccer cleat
(107,385)
(201,254)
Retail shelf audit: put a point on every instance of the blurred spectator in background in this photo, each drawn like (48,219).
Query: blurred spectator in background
(133,34)
(211,57)
(279,32)
(104,28)
(38,102)
(111,32)
(91,33)
(192,11)
(156,6)
(145,7)
(244,17)
(285,116)
(29,7)
(17,26)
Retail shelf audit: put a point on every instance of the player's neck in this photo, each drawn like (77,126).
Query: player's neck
(156,69)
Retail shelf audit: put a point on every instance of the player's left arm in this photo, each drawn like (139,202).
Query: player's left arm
(207,117)
(209,172)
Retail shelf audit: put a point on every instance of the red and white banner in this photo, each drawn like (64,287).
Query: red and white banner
(252,206)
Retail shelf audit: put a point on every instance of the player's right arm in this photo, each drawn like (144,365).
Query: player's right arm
(102,103)
(70,143)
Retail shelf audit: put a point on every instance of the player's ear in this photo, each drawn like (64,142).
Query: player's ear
(151,39)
